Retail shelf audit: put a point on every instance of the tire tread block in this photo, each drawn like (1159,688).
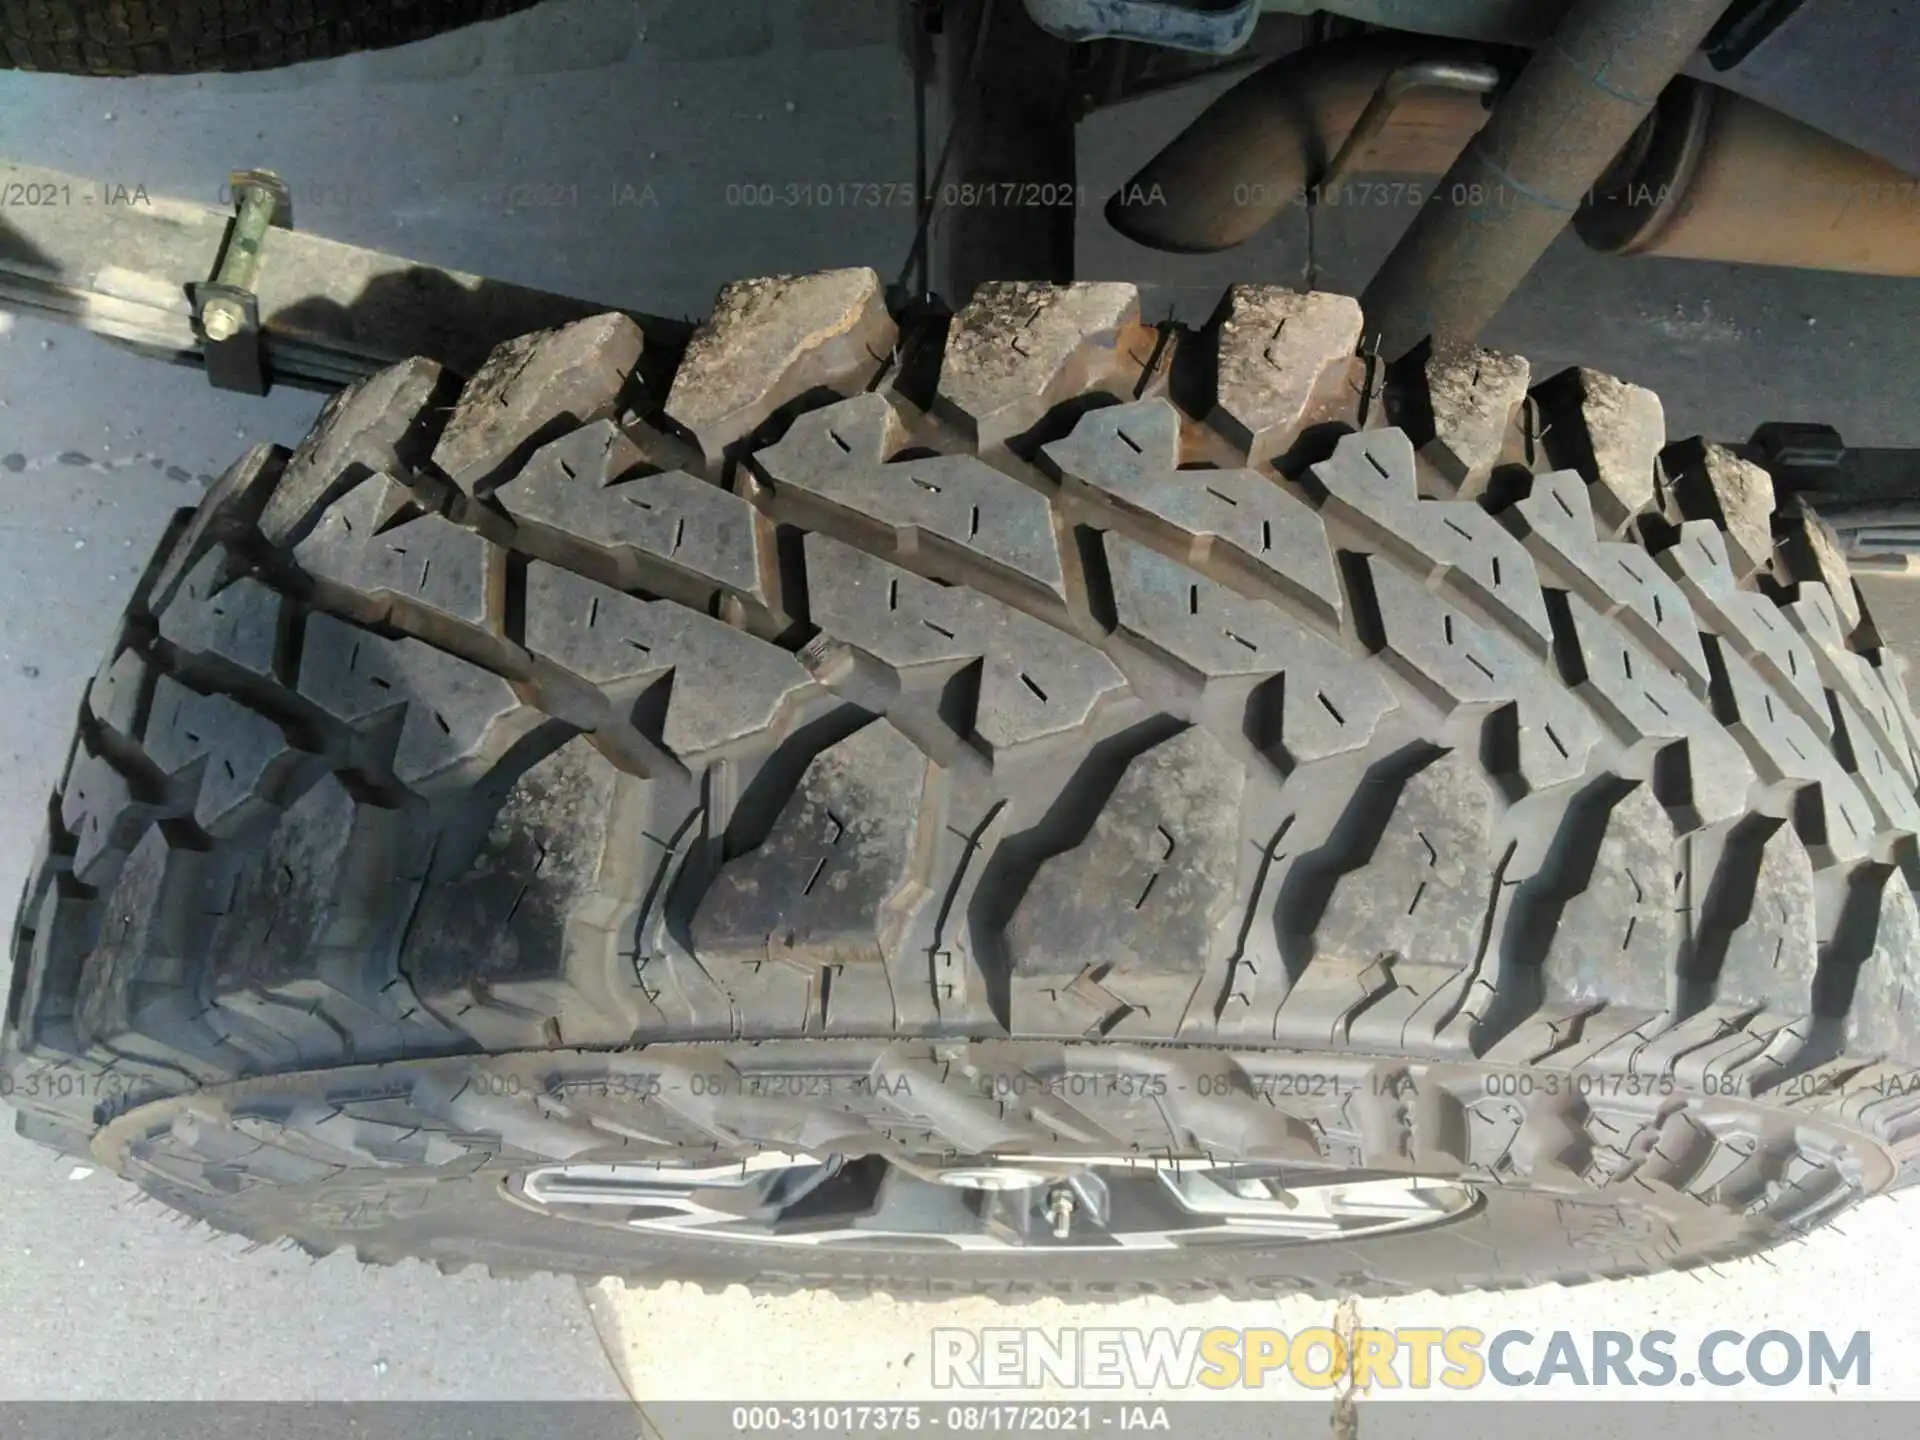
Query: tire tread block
(1420,899)
(453,718)
(772,340)
(1885,986)
(838,459)
(385,424)
(1643,699)
(1108,930)
(1282,359)
(1810,553)
(304,918)
(1306,699)
(1458,662)
(1710,483)
(1620,931)
(1611,433)
(1124,459)
(138,994)
(1370,482)
(1761,923)
(1857,684)
(1700,563)
(375,543)
(595,501)
(531,389)
(1785,750)
(236,621)
(1020,347)
(1035,681)
(1473,395)
(522,942)
(1618,579)
(824,890)
(725,685)
(245,763)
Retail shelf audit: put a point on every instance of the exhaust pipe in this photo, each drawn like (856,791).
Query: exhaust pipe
(1256,149)
(1709,176)
(1578,101)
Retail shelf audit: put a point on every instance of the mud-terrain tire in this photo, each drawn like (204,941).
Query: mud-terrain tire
(176,37)
(1034,732)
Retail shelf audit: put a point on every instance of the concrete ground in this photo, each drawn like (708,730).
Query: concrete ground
(436,152)
(678,1342)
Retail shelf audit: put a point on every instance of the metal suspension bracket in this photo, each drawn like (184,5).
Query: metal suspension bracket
(145,272)
(226,312)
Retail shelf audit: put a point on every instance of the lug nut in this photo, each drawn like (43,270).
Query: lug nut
(1060,1208)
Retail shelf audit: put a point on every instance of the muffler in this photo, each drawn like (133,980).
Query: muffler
(1713,176)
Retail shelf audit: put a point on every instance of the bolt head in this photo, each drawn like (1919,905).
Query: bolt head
(221,319)
(1061,1206)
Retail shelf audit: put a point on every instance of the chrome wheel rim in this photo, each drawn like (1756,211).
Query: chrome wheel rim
(1038,1203)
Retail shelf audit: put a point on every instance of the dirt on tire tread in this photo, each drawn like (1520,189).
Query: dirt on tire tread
(827,724)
